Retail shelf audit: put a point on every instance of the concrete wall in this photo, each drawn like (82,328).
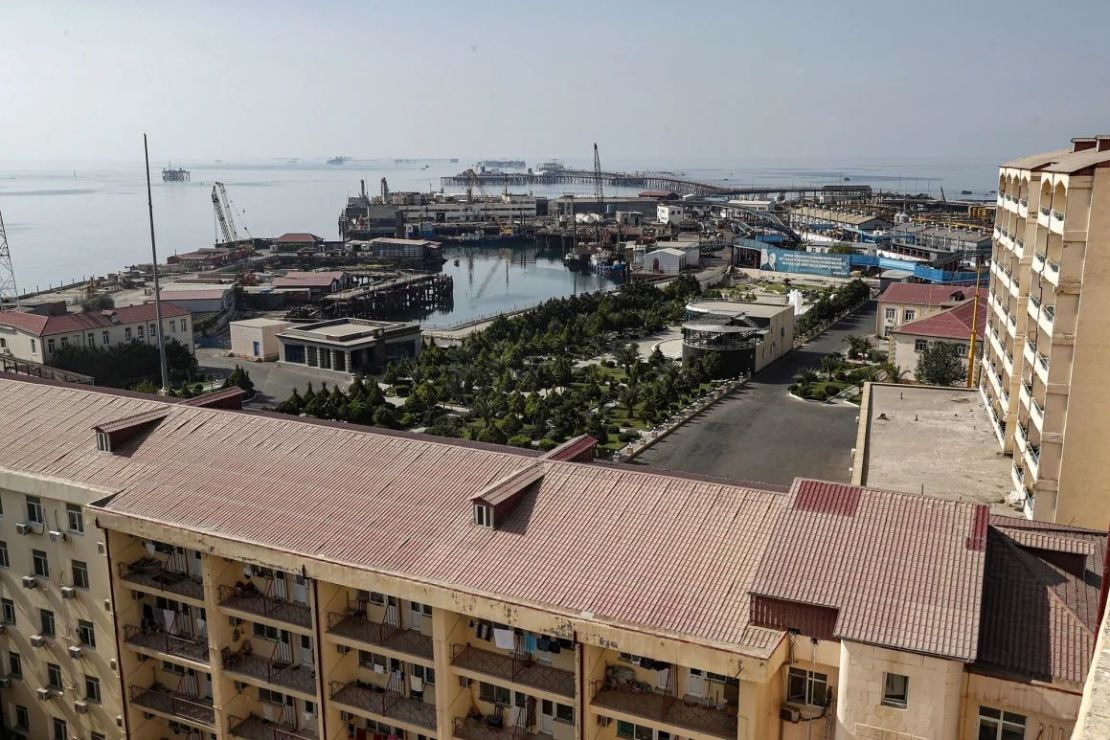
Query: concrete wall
(244,334)
(1049,713)
(779,339)
(905,355)
(883,325)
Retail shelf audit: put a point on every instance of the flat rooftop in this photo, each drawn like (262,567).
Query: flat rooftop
(933,441)
(347,332)
(736,308)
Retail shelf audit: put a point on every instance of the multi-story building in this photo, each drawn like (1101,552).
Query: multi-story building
(277,578)
(36,337)
(902,303)
(953,326)
(1047,351)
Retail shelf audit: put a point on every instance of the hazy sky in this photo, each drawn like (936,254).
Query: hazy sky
(236,80)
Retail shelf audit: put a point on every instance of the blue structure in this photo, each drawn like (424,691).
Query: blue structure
(842,265)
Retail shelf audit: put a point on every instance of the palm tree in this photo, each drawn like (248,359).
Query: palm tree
(857,346)
(894,374)
(830,363)
(629,397)
(807,376)
(626,356)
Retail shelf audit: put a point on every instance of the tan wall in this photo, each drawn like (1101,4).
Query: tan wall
(883,326)
(1050,714)
(779,340)
(905,356)
(243,338)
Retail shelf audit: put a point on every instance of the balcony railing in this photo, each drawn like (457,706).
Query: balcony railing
(384,703)
(1045,211)
(466,728)
(1053,267)
(519,668)
(1042,361)
(1034,453)
(257,728)
(1035,302)
(290,675)
(265,605)
(1024,202)
(665,708)
(1058,215)
(1049,312)
(153,573)
(180,645)
(357,626)
(188,707)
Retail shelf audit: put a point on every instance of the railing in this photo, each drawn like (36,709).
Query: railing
(464,728)
(175,703)
(1034,453)
(1035,302)
(518,667)
(1024,202)
(1022,432)
(254,727)
(1045,211)
(180,645)
(666,708)
(265,605)
(1058,215)
(1042,360)
(1050,312)
(1020,243)
(153,573)
(1053,266)
(290,675)
(9,364)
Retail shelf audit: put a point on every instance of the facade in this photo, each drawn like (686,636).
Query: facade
(902,303)
(297,241)
(1044,371)
(404,250)
(200,299)
(365,217)
(670,213)
(316,283)
(35,337)
(951,326)
(855,224)
(747,336)
(349,346)
(279,578)
(668,260)
(256,339)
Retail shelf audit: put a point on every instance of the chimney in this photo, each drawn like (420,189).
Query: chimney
(1103,142)
(1082,143)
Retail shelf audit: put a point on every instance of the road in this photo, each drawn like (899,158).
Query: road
(761,433)
(273,383)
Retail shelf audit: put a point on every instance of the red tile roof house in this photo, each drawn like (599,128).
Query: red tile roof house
(865,611)
(950,326)
(296,241)
(904,302)
(34,337)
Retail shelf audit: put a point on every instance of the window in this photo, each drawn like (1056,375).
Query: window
(86,633)
(495,694)
(34,510)
(42,564)
(377,598)
(139,331)
(46,622)
(427,674)
(59,732)
(4,561)
(265,631)
(418,608)
(80,574)
(75,518)
(807,687)
(483,515)
(127,332)
(633,732)
(908,314)
(372,660)
(105,338)
(173,326)
(34,347)
(90,340)
(65,341)
(564,713)
(153,331)
(920,345)
(92,689)
(54,675)
(896,690)
(22,718)
(270,697)
(994,724)
(9,611)
(49,346)
(15,665)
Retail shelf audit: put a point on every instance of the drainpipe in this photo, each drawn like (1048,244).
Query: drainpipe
(321,715)
(115,617)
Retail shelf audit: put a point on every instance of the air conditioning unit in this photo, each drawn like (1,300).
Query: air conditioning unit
(81,707)
(23,528)
(108,605)
(57,535)
(30,582)
(788,713)
(603,721)
(5,682)
(112,664)
(342,649)
(119,720)
(76,651)
(100,549)
(37,640)
(69,592)
(44,694)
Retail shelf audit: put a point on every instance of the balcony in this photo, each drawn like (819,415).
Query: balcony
(1048,314)
(1034,307)
(1039,258)
(1021,437)
(257,728)
(267,670)
(1052,272)
(189,648)
(690,715)
(1029,352)
(1011,322)
(186,707)
(384,703)
(1036,413)
(998,424)
(356,626)
(1033,458)
(1041,368)
(516,668)
(153,574)
(476,729)
(264,605)
(1025,393)
(1017,477)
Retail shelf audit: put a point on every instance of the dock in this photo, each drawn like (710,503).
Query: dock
(421,292)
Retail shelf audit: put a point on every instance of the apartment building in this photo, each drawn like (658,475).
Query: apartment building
(36,337)
(1047,354)
(953,326)
(903,303)
(279,578)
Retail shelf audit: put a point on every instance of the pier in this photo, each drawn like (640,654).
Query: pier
(383,299)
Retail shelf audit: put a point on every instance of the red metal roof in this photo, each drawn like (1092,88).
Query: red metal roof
(951,323)
(74,322)
(928,294)
(299,279)
(298,237)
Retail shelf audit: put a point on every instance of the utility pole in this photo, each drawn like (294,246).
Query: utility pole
(974,328)
(7,272)
(154,269)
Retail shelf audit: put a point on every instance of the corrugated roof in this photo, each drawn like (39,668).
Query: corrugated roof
(904,571)
(645,549)
(928,294)
(952,323)
(298,237)
(1061,160)
(74,322)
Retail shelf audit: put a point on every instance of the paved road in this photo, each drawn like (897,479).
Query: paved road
(761,433)
(273,383)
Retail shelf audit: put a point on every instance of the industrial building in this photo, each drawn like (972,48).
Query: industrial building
(853,224)
(1045,369)
(747,336)
(349,346)
(278,577)
(298,241)
(257,339)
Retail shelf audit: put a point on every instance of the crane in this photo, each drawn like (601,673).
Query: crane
(473,181)
(599,193)
(9,296)
(221,204)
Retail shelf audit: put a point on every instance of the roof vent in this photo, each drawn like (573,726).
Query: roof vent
(111,434)
(110,315)
(497,501)
(1103,142)
(1083,143)
(579,449)
(225,398)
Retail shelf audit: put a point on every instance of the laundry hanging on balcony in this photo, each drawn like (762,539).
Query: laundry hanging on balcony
(504,639)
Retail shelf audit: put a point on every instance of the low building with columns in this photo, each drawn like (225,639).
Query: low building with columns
(349,346)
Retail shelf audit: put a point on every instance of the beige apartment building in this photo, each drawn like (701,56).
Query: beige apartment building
(273,577)
(1047,350)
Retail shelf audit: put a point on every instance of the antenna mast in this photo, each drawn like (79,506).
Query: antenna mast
(154,269)
(8,293)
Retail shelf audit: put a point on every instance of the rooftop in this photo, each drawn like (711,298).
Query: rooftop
(298,237)
(75,322)
(911,429)
(951,323)
(928,294)
(344,331)
(1068,160)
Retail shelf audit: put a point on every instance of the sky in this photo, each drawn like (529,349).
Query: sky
(693,80)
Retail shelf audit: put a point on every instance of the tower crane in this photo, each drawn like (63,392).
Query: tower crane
(221,204)
(472,182)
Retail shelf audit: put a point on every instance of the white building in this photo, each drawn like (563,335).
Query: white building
(256,339)
(35,337)
(668,213)
(668,260)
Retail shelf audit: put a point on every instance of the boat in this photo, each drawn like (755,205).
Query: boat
(339,160)
(175,174)
(965,192)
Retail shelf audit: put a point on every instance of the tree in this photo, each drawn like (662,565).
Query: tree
(857,346)
(629,397)
(830,363)
(241,378)
(807,376)
(626,356)
(98,302)
(941,363)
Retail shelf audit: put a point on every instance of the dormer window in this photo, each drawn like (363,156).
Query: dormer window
(103,442)
(483,515)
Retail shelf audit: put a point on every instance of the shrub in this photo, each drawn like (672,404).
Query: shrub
(628,436)
(548,444)
(520,440)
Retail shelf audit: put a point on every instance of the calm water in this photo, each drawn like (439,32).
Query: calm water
(70,220)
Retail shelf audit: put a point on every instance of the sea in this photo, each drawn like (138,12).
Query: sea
(70,220)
